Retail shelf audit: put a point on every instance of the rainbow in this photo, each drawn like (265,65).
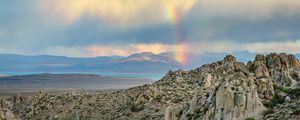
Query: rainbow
(180,48)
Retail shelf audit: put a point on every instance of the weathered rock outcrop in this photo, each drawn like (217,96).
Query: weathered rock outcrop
(233,96)
(239,90)
(282,67)
(223,90)
(5,112)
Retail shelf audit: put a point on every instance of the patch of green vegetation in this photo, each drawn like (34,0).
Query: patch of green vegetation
(205,109)
(145,117)
(158,98)
(177,100)
(127,114)
(257,64)
(274,101)
(267,112)
(73,117)
(250,118)
(66,118)
(196,116)
(277,99)
(190,82)
(136,107)
(189,116)
(295,91)
(296,112)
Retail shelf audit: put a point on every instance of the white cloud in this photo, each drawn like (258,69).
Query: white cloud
(106,50)
(120,12)
(195,47)
(283,46)
(225,46)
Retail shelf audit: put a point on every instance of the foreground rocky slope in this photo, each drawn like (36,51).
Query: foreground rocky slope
(266,88)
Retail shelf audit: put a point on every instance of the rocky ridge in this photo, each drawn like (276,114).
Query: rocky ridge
(265,88)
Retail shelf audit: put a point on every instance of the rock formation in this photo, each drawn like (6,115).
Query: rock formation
(223,90)
(5,112)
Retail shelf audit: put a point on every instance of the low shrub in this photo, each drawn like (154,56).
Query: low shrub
(296,112)
(250,118)
(196,116)
(136,107)
(289,91)
(274,101)
(267,112)
(158,98)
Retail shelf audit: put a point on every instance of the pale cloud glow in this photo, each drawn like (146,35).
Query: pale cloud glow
(107,50)
(283,46)
(195,47)
(120,12)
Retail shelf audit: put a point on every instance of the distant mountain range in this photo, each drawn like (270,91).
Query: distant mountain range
(142,62)
(135,63)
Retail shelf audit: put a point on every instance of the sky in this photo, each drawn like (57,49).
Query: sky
(90,28)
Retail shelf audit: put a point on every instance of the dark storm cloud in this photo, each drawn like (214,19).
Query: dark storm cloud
(24,26)
(278,28)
